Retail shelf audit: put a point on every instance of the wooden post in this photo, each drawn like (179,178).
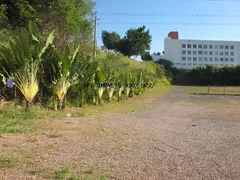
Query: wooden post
(95,38)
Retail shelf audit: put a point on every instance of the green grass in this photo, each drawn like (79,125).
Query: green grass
(63,173)
(7,162)
(213,89)
(78,114)
(16,120)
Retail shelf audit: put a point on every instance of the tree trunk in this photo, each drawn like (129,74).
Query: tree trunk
(28,105)
(60,106)
(119,94)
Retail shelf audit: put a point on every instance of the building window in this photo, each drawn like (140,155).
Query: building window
(210,53)
(226,47)
(232,59)
(189,45)
(226,59)
(194,52)
(221,46)
(211,59)
(183,52)
(216,46)
(183,45)
(200,52)
(183,64)
(194,59)
(189,52)
(189,58)
(221,53)
(232,53)
(210,46)
(183,58)
(194,64)
(189,64)
(216,59)
(205,59)
(231,47)
(226,53)
(205,46)
(200,59)
(200,46)
(205,53)
(216,53)
(221,59)
(194,46)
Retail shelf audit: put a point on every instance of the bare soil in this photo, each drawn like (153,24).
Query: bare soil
(176,137)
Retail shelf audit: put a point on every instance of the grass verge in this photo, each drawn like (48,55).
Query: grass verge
(16,120)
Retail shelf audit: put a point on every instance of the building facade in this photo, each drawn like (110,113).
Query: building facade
(187,54)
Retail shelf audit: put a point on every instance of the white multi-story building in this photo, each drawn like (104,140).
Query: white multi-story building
(187,54)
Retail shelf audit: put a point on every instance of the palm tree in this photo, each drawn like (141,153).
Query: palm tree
(22,58)
(67,77)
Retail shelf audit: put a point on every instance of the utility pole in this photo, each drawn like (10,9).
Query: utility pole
(95,38)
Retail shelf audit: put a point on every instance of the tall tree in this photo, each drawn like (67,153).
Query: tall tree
(138,40)
(110,39)
(17,12)
(135,42)
(71,19)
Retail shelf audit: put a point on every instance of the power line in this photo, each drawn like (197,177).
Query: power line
(168,14)
(171,23)
(212,0)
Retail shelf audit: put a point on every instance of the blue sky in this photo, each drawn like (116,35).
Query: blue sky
(160,31)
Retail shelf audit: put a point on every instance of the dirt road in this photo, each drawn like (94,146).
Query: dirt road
(182,137)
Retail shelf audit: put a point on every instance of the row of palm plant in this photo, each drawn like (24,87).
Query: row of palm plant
(30,60)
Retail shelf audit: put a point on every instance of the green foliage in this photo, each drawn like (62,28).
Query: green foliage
(22,58)
(17,12)
(39,66)
(146,56)
(211,75)
(135,42)
(70,18)
(110,39)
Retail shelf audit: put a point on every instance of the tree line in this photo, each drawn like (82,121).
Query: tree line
(208,75)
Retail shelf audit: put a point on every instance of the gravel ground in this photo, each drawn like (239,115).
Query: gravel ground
(180,137)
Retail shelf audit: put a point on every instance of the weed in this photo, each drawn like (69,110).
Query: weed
(55,135)
(62,175)
(78,114)
(34,172)
(6,162)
